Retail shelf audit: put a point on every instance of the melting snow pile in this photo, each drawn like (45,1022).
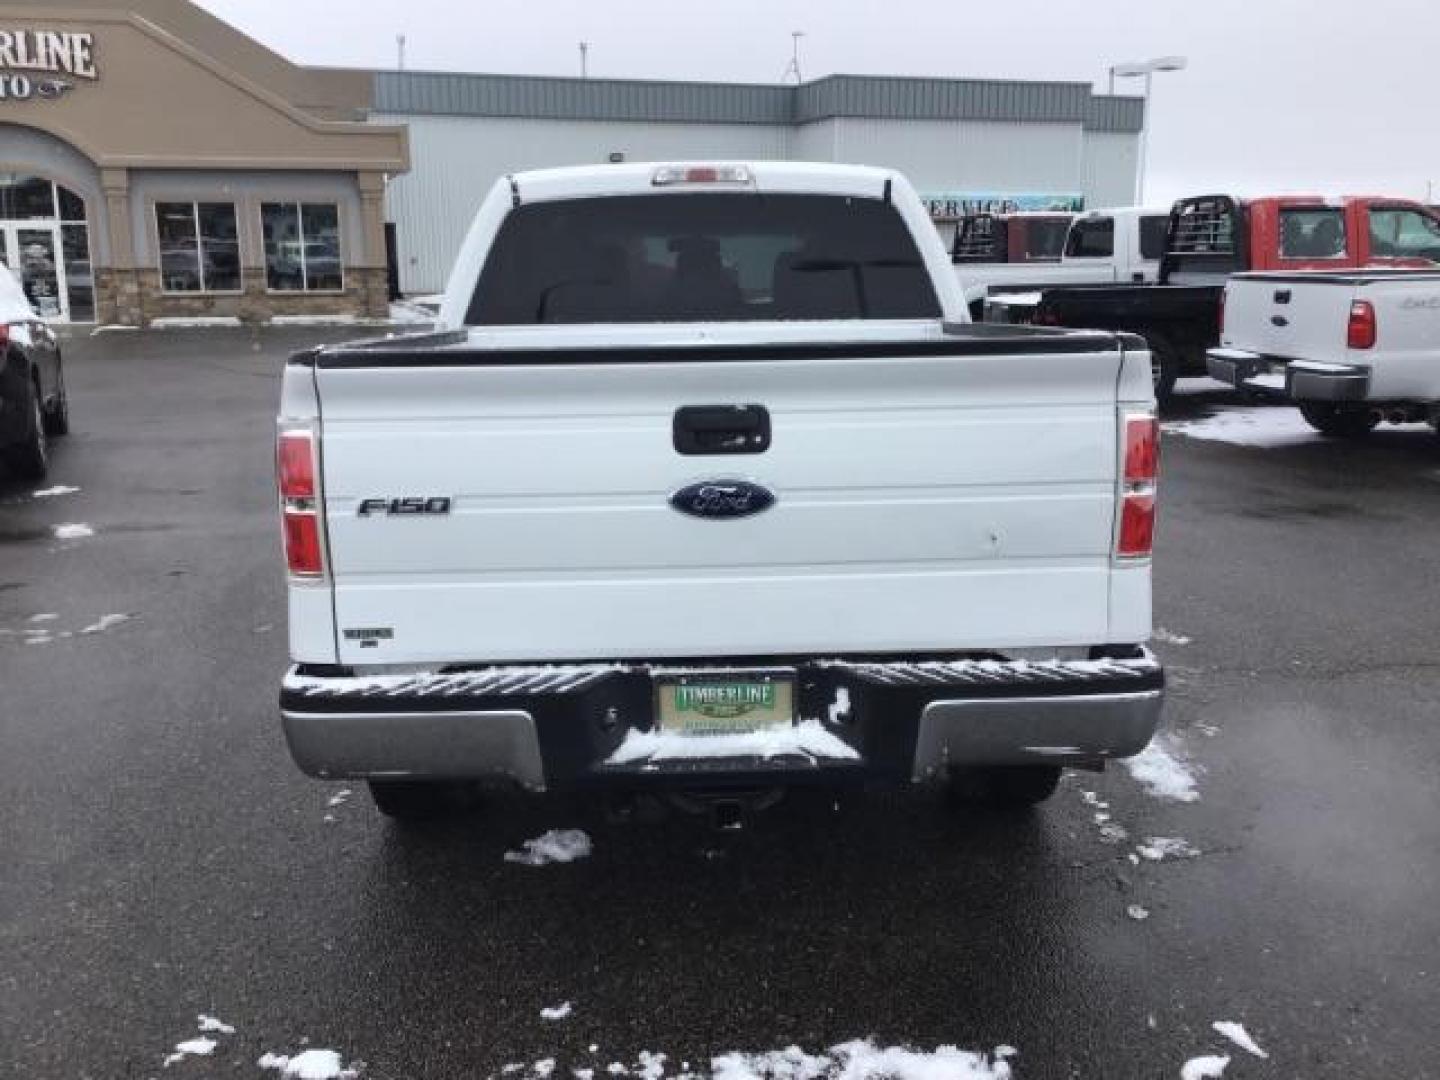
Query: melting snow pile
(1205,1068)
(806,740)
(196,1047)
(1169,637)
(1260,427)
(1160,848)
(863,1060)
(310,1065)
(211,1023)
(557,1012)
(1237,1034)
(51,492)
(72,531)
(1162,774)
(555,846)
(105,622)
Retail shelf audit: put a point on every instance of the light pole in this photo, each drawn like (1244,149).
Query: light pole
(1146,70)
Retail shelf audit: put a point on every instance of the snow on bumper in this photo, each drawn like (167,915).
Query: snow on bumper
(548,726)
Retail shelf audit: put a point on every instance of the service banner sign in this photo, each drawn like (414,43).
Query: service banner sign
(42,63)
(951,206)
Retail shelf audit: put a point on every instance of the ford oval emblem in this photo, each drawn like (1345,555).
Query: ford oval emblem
(722,499)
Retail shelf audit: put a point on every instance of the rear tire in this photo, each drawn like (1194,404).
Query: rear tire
(1164,366)
(421,800)
(1339,421)
(30,459)
(1002,787)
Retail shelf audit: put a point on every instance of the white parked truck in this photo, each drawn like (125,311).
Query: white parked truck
(1102,247)
(1351,348)
(708,488)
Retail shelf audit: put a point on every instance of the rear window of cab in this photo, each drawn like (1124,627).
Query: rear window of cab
(702,257)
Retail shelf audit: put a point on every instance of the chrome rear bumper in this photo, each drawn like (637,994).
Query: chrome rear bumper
(543,726)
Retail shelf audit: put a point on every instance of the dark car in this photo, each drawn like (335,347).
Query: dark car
(32,384)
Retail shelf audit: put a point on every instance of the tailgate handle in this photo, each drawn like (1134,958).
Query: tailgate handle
(722,429)
(1282,296)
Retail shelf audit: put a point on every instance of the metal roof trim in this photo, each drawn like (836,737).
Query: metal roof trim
(659,101)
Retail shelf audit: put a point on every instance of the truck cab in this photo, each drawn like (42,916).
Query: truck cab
(1214,236)
(1102,247)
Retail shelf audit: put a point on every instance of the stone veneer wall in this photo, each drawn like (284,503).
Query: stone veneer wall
(134,297)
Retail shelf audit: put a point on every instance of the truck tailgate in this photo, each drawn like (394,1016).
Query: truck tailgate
(1289,316)
(925,499)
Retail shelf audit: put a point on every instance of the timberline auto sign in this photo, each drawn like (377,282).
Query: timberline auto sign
(33,63)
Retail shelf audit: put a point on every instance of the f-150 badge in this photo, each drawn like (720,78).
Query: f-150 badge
(405,506)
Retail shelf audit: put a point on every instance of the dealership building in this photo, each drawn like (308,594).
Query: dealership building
(155,162)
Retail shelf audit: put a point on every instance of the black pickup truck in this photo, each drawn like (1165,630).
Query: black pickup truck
(1207,241)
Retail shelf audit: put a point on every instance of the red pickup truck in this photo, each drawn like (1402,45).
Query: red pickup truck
(1213,236)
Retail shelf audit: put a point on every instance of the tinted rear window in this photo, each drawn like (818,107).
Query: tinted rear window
(1091,238)
(1153,232)
(702,257)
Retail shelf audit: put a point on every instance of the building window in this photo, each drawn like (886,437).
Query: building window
(199,247)
(302,247)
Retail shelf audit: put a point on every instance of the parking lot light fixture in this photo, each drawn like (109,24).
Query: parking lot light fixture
(1146,70)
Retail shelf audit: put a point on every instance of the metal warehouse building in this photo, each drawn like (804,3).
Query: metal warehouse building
(965,144)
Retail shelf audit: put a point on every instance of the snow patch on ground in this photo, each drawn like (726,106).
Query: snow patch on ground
(51,492)
(211,1023)
(309,1065)
(1162,774)
(1160,848)
(806,740)
(1205,1068)
(555,846)
(414,311)
(189,1048)
(1237,1034)
(43,617)
(72,531)
(339,797)
(863,1060)
(557,1012)
(1167,637)
(1259,427)
(193,322)
(111,328)
(1138,913)
(104,623)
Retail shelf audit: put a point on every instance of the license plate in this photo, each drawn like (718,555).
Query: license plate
(725,704)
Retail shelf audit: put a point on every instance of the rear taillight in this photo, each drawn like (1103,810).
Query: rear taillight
(1363,330)
(297,477)
(1139,474)
(4,333)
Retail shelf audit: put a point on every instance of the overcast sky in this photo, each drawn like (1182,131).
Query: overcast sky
(1286,95)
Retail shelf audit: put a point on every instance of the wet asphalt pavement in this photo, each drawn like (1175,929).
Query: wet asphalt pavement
(162,858)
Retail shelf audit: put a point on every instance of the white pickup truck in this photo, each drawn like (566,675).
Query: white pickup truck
(1102,247)
(1351,348)
(709,489)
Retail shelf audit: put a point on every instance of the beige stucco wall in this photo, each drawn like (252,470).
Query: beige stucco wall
(160,101)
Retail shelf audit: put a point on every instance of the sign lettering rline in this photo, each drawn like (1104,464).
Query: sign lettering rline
(49,55)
